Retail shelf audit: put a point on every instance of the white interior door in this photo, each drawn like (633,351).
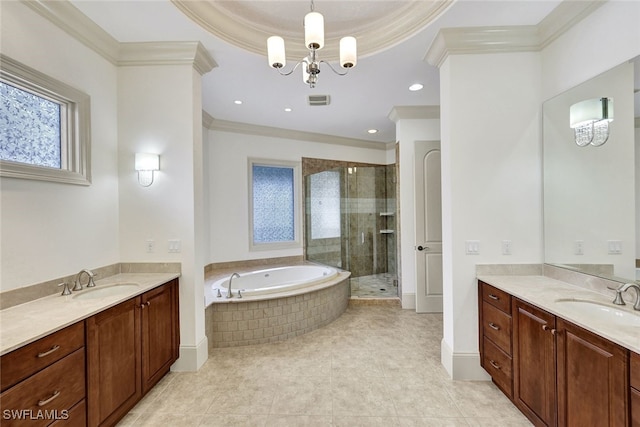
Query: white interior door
(428,241)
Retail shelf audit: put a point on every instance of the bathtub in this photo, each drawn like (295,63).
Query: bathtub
(275,280)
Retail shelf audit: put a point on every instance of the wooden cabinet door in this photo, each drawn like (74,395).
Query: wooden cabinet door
(534,359)
(160,332)
(593,386)
(113,362)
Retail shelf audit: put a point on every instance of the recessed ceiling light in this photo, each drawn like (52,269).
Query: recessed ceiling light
(415,87)
(237,102)
(373,131)
(287,109)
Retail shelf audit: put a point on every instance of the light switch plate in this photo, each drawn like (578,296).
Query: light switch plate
(472,247)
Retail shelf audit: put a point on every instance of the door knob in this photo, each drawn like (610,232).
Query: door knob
(422,248)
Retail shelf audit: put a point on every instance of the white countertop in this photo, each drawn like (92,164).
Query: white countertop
(544,292)
(28,322)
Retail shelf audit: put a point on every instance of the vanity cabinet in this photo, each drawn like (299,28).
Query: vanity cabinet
(563,375)
(534,359)
(593,382)
(635,388)
(129,348)
(45,381)
(495,333)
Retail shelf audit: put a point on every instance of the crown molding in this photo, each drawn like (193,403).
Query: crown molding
(249,129)
(68,18)
(251,35)
(166,53)
(414,112)
(522,38)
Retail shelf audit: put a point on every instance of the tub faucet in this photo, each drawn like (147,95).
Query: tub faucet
(90,283)
(229,293)
(621,289)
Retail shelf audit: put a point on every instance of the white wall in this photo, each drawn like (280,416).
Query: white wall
(160,112)
(491,183)
(408,131)
(228,188)
(606,38)
(50,230)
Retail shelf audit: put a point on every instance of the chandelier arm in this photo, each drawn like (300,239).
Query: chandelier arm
(333,69)
(288,73)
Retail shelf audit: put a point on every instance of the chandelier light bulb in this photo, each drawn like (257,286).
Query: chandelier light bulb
(314,30)
(276,52)
(348,52)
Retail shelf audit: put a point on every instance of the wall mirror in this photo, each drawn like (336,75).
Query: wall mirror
(592,193)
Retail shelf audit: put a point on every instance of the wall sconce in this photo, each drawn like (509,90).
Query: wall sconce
(590,121)
(145,165)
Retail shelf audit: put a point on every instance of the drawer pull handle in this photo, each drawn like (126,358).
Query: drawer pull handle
(494,364)
(48,352)
(494,326)
(494,297)
(53,396)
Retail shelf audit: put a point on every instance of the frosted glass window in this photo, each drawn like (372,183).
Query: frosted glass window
(30,128)
(273,204)
(45,126)
(325,204)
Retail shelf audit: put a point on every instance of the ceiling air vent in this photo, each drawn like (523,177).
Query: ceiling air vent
(319,100)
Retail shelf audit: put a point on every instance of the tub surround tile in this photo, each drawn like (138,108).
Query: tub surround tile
(226,268)
(25,323)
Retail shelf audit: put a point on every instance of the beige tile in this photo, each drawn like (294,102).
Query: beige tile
(165,419)
(362,398)
(243,401)
(347,421)
(226,420)
(299,421)
(479,399)
(431,422)
(128,420)
(425,402)
(302,400)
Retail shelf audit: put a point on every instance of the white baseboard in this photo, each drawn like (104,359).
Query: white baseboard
(408,301)
(462,366)
(192,357)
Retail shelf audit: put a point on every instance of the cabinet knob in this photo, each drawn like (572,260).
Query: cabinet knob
(552,330)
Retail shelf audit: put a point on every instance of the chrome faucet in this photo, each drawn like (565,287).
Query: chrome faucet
(623,288)
(90,283)
(229,293)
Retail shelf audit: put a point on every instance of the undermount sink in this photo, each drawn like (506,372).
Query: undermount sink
(601,312)
(106,290)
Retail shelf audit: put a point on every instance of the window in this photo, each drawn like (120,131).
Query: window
(45,127)
(274,204)
(324,195)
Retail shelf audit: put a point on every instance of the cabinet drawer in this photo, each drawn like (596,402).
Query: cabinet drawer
(497,327)
(499,365)
(76,417)
(54,389)
(27,360)
(635,370)
(496,297)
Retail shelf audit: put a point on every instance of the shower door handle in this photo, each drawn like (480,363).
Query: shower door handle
(362,238)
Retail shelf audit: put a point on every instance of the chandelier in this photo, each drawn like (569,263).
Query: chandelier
(314,41)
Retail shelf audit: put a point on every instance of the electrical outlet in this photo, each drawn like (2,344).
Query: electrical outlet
(174,245)
(472,247)
(578,247)
(615,247)
(151,245)
(506,247)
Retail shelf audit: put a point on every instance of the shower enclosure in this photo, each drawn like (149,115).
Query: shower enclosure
(350,223)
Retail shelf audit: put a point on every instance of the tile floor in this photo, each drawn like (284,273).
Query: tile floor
(376,365)
(376,286)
